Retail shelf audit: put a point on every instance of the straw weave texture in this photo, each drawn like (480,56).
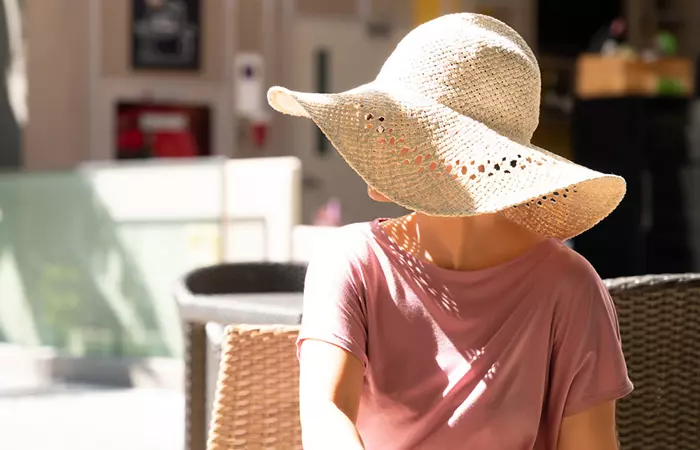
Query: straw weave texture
(660,326)
(257,397)
(445,129)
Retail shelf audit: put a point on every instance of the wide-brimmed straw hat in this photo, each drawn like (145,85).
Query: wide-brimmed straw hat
(445,130)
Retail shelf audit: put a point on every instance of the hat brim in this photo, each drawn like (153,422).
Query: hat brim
(429,158)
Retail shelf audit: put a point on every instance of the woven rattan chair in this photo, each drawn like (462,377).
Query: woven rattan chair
(218,283)
(256,405)
(660,326)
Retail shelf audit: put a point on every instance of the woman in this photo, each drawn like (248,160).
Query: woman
(466,324)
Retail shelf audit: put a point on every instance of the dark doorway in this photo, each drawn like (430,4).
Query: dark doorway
(565,28)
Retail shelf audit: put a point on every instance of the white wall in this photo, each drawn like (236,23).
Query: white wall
(354,59)
(56,137)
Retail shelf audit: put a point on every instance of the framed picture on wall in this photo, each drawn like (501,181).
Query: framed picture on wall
(165,34)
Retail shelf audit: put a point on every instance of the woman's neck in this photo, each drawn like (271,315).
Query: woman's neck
(461,243)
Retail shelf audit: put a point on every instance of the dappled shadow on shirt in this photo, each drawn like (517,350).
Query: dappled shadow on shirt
(465,370)
(407,252)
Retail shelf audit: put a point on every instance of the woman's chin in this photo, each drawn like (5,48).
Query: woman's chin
(376,196)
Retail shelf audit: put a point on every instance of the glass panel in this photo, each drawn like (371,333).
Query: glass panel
(88,258)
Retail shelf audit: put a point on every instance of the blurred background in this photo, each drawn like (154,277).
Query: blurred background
(136,144)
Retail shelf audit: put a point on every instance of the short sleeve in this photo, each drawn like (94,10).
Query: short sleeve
(588,363)
(333,306)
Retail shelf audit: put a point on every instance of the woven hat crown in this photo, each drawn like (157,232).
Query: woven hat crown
(475,65)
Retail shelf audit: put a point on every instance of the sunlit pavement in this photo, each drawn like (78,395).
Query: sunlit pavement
(60,417)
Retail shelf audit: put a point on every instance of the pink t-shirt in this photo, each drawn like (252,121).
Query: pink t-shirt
(487,359)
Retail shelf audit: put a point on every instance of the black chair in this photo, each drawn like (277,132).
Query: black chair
(221,283)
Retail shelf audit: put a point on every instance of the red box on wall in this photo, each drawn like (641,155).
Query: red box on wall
(152,130)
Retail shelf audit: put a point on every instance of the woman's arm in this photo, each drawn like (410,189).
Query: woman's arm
(592,429)
(329,391)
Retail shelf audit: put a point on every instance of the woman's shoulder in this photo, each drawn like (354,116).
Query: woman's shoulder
(570,266)
(344,260)
(349,243)
(576,280)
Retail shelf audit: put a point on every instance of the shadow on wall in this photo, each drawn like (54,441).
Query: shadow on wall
(66,279)
(9,127)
